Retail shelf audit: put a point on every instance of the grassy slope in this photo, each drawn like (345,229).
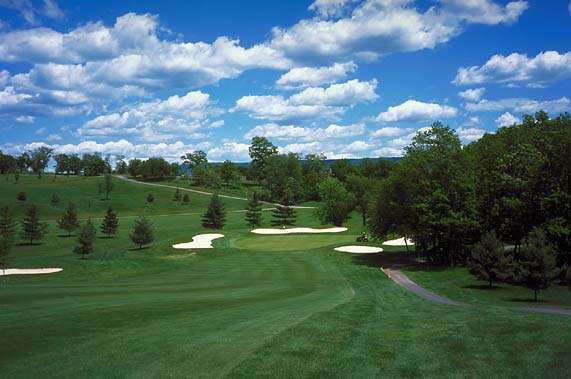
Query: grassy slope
(126,198)
(243,313)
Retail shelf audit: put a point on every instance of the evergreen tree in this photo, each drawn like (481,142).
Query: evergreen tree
(177,195)
(150,199)
(69,221)
(283,216)
(186,199)
(108,185)
(8,225)
(142,232)
(254,211)
(5,247)
(21,196)
(85,239)
(535,268)
(488,261)
(32,227)
(110,223)
(215,215)
(54,200)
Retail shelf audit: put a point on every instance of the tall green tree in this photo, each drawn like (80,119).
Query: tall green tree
(313,173)
(69,220)
(110,223)
(260,150)
(39,159)
(215,215)
(283,216)
(85,239)
(142,233)
(488,260)
(194,159)
(186,199)
(228,172)
(254,211)
(535,267)
(336,203)
(32,228)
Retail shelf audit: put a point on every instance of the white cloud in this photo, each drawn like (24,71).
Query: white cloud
(8,96)
(25,119)
(545,67)
(330,8)
(29,12)
(53,138)
(468,135)
(157,120)
(474,120)
(474,94)
(356,146)
(376,28)
(389,131)
(4,77)
(387,152)
(237,152)
(40,131)
(507,119)
(520,105)
(289,132)
(301,77)
(413,110)
(311,103)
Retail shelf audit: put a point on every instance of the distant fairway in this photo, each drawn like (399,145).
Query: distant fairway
(254,306)
(292,242)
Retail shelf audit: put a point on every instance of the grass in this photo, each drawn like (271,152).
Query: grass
(241,312)
(292,242)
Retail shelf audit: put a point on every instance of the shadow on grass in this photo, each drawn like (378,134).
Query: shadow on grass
(139,248)
(29,244)
(527,300)
(396,260)
(483,287)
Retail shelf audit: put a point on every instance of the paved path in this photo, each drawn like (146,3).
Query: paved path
(401,279)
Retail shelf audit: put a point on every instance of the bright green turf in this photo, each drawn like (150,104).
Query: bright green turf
(126,198)
(292,242)
(230,312)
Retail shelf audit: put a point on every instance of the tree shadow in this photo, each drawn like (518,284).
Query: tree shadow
(483,287)
(527,300)
(139,248)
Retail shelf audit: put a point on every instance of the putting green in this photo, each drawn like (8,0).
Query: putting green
(292,242)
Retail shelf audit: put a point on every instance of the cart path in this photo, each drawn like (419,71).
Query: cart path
(401,279)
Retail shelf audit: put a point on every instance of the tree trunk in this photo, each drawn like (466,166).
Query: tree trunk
(364,215)
(490,281)
(534,295)
(405,243)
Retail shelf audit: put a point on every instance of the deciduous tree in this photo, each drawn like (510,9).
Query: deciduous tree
(142,233)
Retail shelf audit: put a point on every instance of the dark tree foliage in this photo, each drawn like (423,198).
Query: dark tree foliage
(150,199)
(21,196)
(313,173)
(260,150)
(194,159)
(186,199)
(142,233)
(7,163)
(535,267)
(254,211)
(32,228)
(215,215)
(283,216)
(283,178)
(38,159)
(341,169)
(85,239)
(488,260)
(69,220)
(54,199)
(228,172)
(8,225)
(110,223)
(108,185)
(336,203)
(177,195)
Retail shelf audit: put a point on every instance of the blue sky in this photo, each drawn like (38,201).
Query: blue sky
(347,78)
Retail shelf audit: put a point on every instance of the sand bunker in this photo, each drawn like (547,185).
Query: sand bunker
(29,271)
(298,230)
(398,242)
(359,249)
(201,241)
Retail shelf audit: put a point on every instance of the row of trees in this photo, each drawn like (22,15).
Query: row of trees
(34,161)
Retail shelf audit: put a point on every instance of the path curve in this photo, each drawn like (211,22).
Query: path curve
(401,279)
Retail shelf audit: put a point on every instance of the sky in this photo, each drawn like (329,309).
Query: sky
(346,78)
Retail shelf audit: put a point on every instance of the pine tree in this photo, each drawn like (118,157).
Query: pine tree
(150,199)
(488,261)
(254,211)
(108,185)
(32,227)
(21,196)
(110,223)
(283,216)
(142,232)
(177,195)
(215,215)
(86,237)
(186,199)
(536,268)
(69,221)
(8,225)
(5,247)
(54,200)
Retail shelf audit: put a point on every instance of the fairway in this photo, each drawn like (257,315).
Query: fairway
(294,242)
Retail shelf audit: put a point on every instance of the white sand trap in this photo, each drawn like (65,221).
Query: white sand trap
(29,271)
(398,242)
(298,230)
(359,249)
(201,241)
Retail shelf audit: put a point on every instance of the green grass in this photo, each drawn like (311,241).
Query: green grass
(245,313)
(127,198)
(292,242)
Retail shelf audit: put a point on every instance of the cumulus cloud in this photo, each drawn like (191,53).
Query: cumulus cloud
(289,132)
(330,8)
(311,103)
(474,94)
(375,28)
(413,110)
(53,138)
(158,120)
(389,131)
(520,105)
(301,77)
(468,135)
(30,13)
(237,152)
(544,68)
(507,119)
